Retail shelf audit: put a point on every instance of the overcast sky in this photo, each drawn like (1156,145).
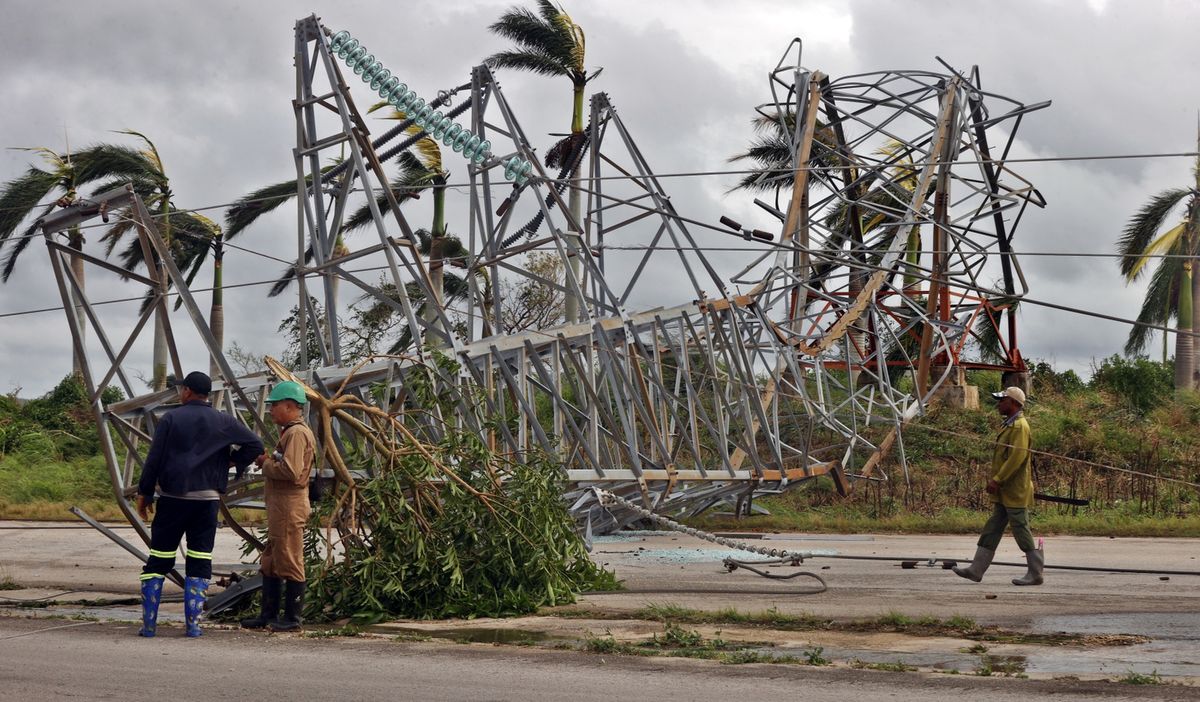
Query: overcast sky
(211,83)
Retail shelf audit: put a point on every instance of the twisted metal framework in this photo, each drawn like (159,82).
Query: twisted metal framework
(684,382)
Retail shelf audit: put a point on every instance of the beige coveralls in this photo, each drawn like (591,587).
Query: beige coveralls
(287,502)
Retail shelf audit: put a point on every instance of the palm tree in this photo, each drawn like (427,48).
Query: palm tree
(1174,288)
(154,187)
(42,189)
(420,171)
(549,43)
(773,155)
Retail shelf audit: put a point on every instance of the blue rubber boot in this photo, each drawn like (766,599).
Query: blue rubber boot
(195,592)
(152,586)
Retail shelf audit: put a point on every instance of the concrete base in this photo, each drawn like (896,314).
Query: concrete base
(1017,379)
(959,396)
(955,392)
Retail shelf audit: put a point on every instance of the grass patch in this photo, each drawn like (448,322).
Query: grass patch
(678,642)
(745,655)
(896,667)
(7,583)
(347,631)
(103,509)
(1134,678)
(812,656)
(677,637)
(608,645)
(948,455)
(771,618)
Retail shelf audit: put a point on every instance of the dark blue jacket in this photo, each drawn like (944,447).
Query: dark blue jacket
(192,449)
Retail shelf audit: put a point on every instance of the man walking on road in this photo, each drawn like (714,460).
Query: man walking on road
(188,463)
(286,473)
(1011,491)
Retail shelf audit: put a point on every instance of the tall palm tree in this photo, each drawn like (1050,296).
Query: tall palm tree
(1174,286)
(154,187)
(549,43)
(42,189)
(423,170)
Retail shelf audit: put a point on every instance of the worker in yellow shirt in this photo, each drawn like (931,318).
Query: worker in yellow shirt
(1011,491)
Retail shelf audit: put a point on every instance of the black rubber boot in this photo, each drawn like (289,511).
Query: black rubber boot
(271,589)
(293,605)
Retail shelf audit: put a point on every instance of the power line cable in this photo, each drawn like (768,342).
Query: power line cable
(815,253)
(734,172)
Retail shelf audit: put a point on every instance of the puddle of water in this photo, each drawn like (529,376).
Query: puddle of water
(1175,650)
(493,635)
(935,660)
(1157,625)
(119,614)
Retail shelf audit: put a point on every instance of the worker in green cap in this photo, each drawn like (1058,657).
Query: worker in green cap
(286,473)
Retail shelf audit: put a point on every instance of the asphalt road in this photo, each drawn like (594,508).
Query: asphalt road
(88,660)
(667,567)
(107,661)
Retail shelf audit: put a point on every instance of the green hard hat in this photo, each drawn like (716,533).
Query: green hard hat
(288,390)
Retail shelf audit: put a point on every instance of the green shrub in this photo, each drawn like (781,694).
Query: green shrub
(1142,383)
(63,414)
(1044,380)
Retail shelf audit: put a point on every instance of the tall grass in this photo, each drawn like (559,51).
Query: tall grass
(1085,427)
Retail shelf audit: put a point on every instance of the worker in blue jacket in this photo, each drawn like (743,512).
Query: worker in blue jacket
(188,466)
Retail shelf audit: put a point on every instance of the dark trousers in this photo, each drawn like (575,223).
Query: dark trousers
(1016,518)
(173,519)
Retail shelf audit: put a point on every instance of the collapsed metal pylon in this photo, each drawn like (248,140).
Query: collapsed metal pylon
(678,385)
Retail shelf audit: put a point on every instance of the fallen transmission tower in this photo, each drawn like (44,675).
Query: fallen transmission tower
(671,384)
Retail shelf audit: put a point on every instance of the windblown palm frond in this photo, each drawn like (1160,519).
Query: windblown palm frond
(289,274)
(772,153)
(107,161)
(1143,228)
(548,43)
(193,236)
(248,208)
(9,261)
(1160,305)
(21,196)
(413,178)
(67,172)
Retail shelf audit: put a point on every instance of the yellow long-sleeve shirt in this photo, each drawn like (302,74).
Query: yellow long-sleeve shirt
(1011,466)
